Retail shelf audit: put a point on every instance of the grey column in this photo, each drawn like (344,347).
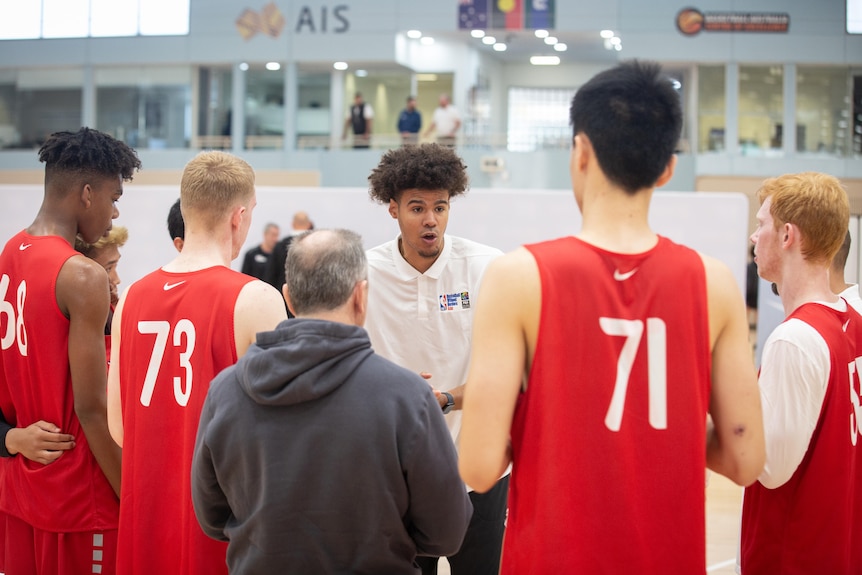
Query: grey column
(237,117)
(291,105)
(336,108)
(731,113)
(788,144)
(88,97)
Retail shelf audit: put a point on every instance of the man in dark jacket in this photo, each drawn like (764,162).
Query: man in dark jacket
(314,454)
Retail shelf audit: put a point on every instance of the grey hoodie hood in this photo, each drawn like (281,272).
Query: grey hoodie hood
(301,360)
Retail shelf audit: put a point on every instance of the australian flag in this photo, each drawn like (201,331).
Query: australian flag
(472,14)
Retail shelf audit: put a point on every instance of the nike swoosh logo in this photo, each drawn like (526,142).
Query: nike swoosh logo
(169,286)
(23,247)
(621,277)
(844,327)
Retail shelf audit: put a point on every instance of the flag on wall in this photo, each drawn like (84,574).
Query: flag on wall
(540,14)
(473,14)
(506,14)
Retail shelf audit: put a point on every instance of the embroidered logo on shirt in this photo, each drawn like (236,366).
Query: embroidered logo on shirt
(170,286)
(24,246)
(453,301)
(621,277)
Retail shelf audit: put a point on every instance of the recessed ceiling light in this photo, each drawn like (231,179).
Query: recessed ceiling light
(500,47)
(243,66)
(427,40)
(551,40)
(426,77)
(340,65)
(618,47)
(477,33)
(541,33)
(607,33)
(616,40)
(560,47)
(545,60)
(273,66)
(489,40)
(414,34)
(362,73)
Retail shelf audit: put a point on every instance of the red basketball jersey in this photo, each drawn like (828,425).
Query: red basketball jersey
(608,439)
(177,333)
(71,494)
(813,523)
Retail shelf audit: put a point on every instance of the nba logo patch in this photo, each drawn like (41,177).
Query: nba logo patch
(453,301)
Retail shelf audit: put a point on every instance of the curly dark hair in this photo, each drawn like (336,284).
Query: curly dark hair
(422,167)
(87,152)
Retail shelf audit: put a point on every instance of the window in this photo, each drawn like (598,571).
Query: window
(36,103)
(147,107)
(93,18)
(761,109)
(710,108)
(539,118)
(823,114)
(214,107)
(264,107)
(854,16)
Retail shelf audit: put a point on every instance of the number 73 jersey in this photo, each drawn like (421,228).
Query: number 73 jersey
(177,334)
(608,438)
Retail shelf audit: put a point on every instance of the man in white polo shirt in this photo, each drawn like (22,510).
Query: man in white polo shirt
(422,292)
(446,121)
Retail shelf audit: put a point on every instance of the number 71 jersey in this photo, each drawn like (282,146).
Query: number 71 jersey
(608,438)
(177,334)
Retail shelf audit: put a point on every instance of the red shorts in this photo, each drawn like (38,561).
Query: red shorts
(31,551)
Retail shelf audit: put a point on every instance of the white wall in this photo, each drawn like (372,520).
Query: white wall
(505,219)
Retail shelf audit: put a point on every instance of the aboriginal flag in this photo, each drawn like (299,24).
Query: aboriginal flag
(507,14)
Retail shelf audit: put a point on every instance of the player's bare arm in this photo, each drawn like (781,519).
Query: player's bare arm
(82,294)
(115,402)
(736,446)
(504,337)
(259,307)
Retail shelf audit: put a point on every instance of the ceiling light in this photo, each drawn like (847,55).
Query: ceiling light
(427,40)
(616,40)
(551,40)
(361,73)
(243,66)
(560,47)
(489,40)
(618,47)
(426,77)
(545,60)
(477,33)
(500,47)
(541,33)
(340,65)
(607,33)
(273,66)
(414,34)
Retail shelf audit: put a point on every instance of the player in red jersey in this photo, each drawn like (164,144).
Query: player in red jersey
(62,518)
(173,331)
(804,514)
(597,358)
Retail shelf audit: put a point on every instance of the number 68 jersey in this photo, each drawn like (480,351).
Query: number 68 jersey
(72,493)
(177,334)
(608,438)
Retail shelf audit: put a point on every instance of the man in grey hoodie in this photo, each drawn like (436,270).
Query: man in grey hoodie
(314,454)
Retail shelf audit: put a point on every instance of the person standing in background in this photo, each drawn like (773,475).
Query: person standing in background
(445,122)
(174,330)
(256,260)
(410,122)
(62,518)
(360,117)
(176,226)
